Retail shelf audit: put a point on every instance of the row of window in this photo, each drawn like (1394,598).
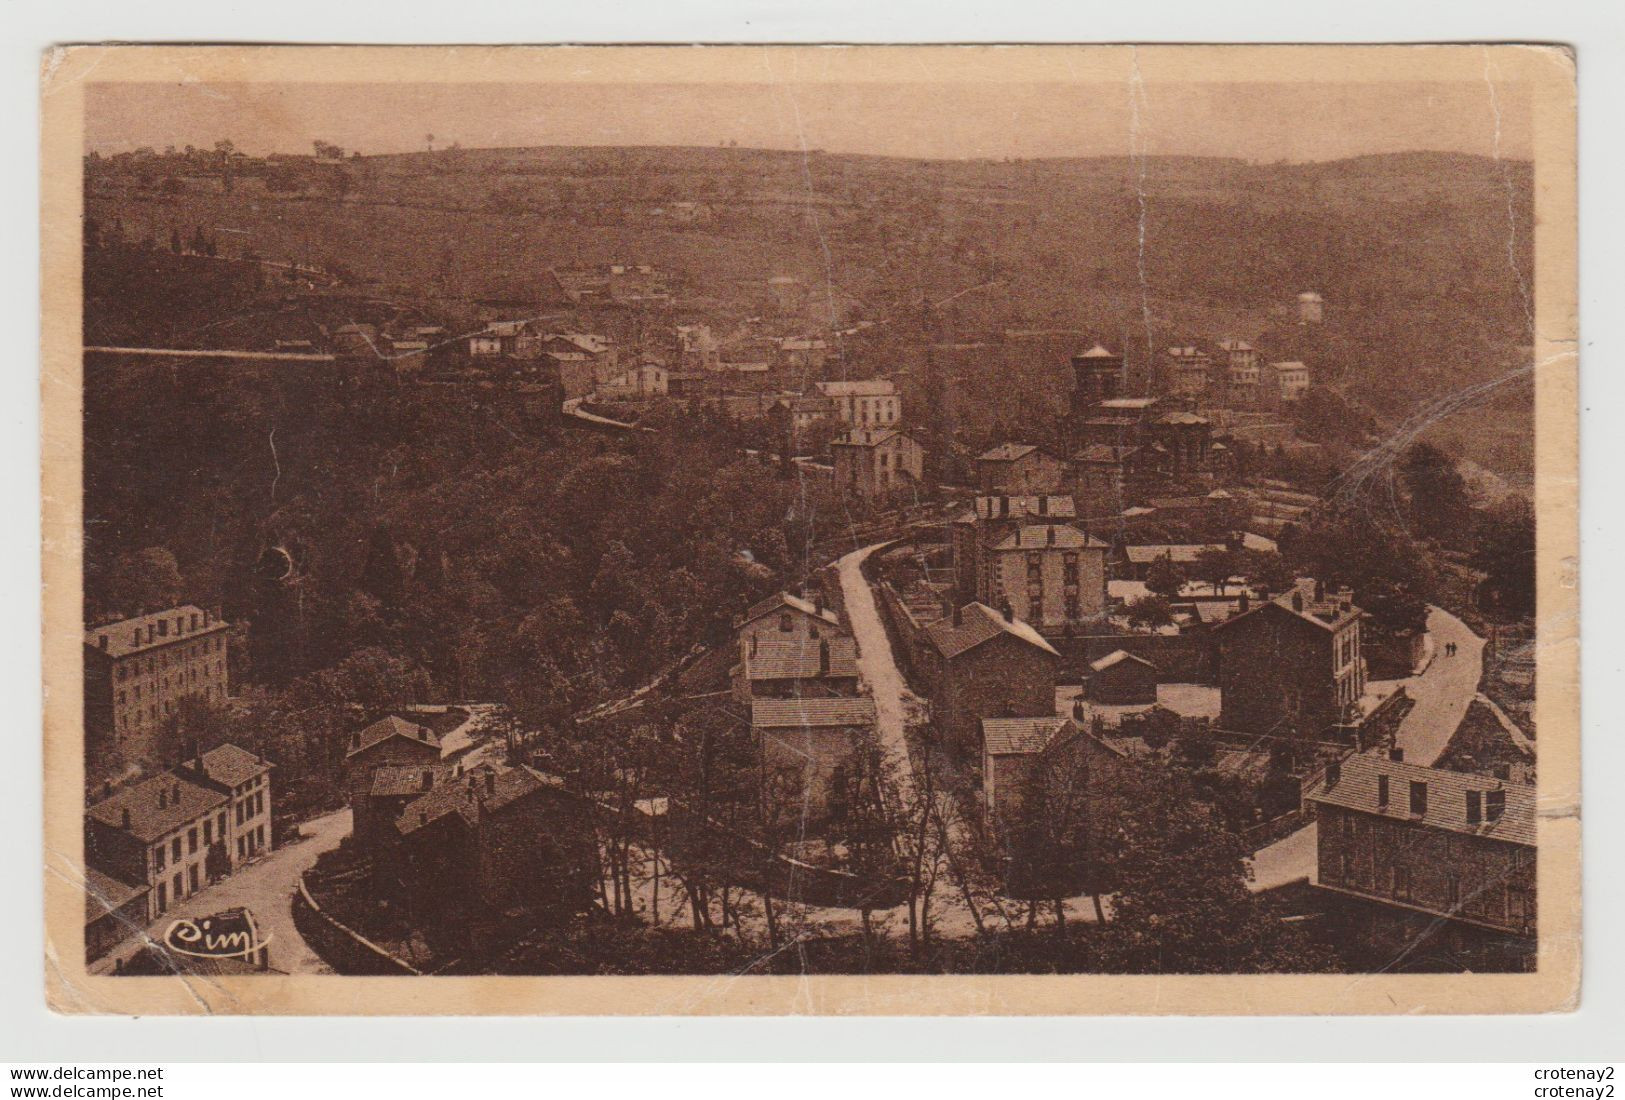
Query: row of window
(169,658)
(211,827)
(186,678)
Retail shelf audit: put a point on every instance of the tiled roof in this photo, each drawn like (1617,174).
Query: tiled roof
(1007,452)
(866,437)
(1058,536)
(385,728)
(1179,553)
(395,780)
(1022,507)
(1329,612)
(1128,402)
(1013,736)
(1446,797)
(233,766)
(1117,657)
(483,789)
(1097,352)
(1105,452)
(790,602)
(979,623)
(182,801)
(132,635)
(811,713)
(874,387)
(104,894)
(799,659)
(1182,418)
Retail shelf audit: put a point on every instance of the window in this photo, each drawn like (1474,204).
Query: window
(158,860)
(786,623)
(175,886)
(163,897)
(175,850)
(191,879)
(1069,568)
(191,839)
(222,824)
(1382,791)
(1419,798)
(208,832)
(1402,883)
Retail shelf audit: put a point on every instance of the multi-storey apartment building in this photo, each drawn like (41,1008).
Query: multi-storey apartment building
(177,832)
(1050,575)
(138,670)
(1440,845)
(871,403)
(1291,665)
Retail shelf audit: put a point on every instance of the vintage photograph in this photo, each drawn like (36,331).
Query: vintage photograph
(952,514)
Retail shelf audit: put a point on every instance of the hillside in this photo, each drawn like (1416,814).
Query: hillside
(1423,258)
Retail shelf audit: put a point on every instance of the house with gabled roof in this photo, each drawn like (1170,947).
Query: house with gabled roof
(1051,575)
(392,742)
(775,668)
(809,748)
(977,663)
(1430,851)
(1291,665)
(1020,468)
(786,616)
(874,462)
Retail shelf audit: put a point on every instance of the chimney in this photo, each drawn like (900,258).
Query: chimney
(490,782)
(1297,600)
(959,615)
(1382,791)
(753,645)
(1503,771)
(1320,591)
(355,741)
(1396,754)
(194,752)
(423,817)
(1043,504)
(101,641)
(1334,774)
(1078,709)
(426,780)
(1495,805)
(163,797)
(823,657)
(1242,604)
(1475,810)
(1049,537)
(124,818)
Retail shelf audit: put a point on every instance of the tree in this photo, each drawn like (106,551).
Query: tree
(1165,578)
(1151,611)
(146,580)
(1216,565)
(1439,503)
(1504,548)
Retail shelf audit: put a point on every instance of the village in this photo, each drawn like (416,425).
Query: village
(939,723)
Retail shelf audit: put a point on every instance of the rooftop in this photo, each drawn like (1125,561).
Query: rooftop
(1007,452)
(1447,797)
(1018,736)
(789,602)
(397,780)
(977,624)
(385,728)
(484,790)
(233,766)
(104,894)
(1097,352)
(874,387)
(1059,536)
(157,806)
(1128,402)
(801,659)
(160,628)
(866,437)
(811,713)
(1179,553)
(1117,657)
(1022,507)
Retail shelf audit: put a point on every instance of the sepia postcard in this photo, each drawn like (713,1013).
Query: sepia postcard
(810,530)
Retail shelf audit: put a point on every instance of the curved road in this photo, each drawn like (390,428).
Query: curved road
(265,887)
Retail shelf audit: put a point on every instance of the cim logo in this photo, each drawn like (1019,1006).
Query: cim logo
(232,934)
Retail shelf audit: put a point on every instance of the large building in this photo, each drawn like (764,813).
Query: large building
(1290,380)
(390,742)
(872,462)
(990,521)
(872,403)
(810,747)
(1050,575)
(1020,468)
(1440,845)
(1291,666)
(976,664)
(786,616)
(137,671)
(175,833)
(1124,446)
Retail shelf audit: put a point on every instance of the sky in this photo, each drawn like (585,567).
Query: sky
(1253,121)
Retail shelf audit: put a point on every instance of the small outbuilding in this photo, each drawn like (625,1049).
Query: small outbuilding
(1122,679)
